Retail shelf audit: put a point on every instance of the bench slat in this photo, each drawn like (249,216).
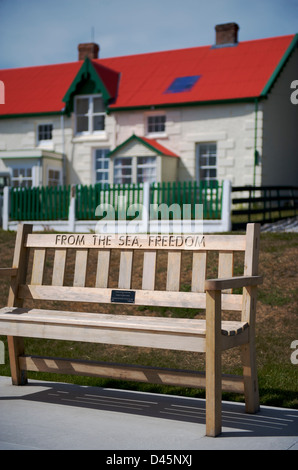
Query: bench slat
(149,270)
(164,333)
(103,268)
(125,269)
(59,267)
(199,268)
(38,266)
(150,242)
(173,271)
(225,266)
(136,373)
(80,268)
(192,300)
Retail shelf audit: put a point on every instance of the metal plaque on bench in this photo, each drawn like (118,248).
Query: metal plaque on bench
(123,296)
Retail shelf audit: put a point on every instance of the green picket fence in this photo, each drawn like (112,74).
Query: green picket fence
(52,203)
(185,196)
(117,197)
(39,203)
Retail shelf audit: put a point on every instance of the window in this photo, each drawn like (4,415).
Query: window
(22,178)
(123,170)
(101,166)
(156,124)
(54,177)
(45,132)
(182,84)
(206,155)
(90,114)
(146,169)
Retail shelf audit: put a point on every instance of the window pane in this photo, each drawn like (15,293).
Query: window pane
(102,177)
(207,161)
(45,131)
(98,123)
(82,123)
(98,105)
(146,169)
(102,165)
(156,124)
(122,170)
(82,105)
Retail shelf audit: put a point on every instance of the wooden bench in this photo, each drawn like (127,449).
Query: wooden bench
(210,335)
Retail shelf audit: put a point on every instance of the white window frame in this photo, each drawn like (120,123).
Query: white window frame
(149,165)
(45,142)
(90,114)
(156,127)
(20,178)
(104,158)
(50,180)
(136,165)
(206,166)
(129,165)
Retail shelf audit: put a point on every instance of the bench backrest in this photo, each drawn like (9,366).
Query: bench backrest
(42,274)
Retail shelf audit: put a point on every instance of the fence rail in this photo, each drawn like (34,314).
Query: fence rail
(263,204)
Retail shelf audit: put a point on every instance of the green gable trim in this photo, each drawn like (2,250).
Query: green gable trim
(87,81)
(280,65)
(140,140)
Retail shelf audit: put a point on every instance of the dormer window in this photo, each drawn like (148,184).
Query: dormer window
(90,114)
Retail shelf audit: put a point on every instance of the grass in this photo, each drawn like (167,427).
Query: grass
(277,327)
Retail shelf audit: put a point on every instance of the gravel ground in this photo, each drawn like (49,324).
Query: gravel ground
(284,225)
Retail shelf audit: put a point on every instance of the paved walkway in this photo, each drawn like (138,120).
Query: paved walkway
(50,415)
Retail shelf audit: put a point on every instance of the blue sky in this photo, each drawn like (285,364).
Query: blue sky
(40,32)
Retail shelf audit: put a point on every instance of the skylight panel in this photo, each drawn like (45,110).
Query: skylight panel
(182,84)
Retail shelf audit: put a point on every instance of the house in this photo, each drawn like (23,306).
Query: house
(221,111)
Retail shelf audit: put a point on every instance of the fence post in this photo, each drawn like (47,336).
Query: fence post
(226,206)
(5,208)
(72,209)
(146,207)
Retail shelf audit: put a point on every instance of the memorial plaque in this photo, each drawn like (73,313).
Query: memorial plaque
(123,296)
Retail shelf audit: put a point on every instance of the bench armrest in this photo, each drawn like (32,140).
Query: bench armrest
(8,272)
(233,282)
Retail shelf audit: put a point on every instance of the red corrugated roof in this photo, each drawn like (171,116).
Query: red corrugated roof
(226,73)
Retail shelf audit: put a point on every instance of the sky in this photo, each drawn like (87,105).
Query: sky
(41,32)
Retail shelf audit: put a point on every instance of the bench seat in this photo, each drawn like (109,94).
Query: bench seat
(166,333)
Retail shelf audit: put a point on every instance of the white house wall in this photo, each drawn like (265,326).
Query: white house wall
(231,126)
(280,154)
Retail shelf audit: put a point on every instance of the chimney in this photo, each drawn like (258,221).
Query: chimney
(89,49)
(226,34)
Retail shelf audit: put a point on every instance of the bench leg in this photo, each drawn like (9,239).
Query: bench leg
(213,363)
(251,387)
(248,353)
(16,348)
